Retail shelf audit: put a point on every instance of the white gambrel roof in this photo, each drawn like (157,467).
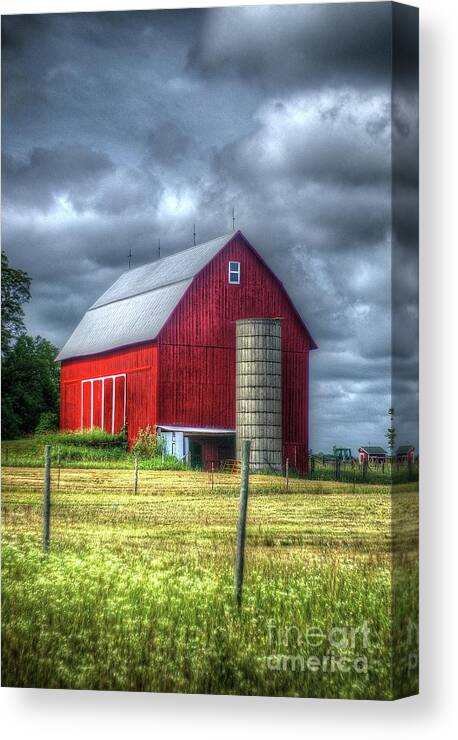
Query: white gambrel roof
(140,302)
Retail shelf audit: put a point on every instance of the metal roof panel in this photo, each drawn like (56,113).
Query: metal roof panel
(166,271)
(135,319)
(374,450)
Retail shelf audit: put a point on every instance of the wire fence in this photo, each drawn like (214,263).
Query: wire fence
(77,508)
(388,472)
(319,468)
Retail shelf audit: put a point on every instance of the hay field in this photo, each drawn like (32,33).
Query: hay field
(137,592)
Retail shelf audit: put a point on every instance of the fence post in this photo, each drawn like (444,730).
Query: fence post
(212,471)
(241,528)
(47,499)
(312,467)
(136,475)
(58,469)
(287,473)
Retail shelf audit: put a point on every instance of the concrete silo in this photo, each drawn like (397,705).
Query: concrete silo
(258,389)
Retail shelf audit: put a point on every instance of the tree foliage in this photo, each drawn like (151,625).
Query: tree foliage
(30,385)
(391,432)
(15,292)
(30,376)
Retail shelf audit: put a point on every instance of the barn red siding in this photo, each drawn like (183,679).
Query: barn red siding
(139,363)
(208,310)
(197,350)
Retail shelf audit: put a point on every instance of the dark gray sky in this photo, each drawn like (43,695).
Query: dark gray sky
(120,128)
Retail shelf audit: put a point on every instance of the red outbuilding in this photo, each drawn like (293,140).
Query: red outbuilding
(158,348)
(373,455)
(405,454)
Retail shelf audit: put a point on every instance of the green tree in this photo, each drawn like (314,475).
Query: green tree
(15,292)
(30,376)
(391,432)
(30,385)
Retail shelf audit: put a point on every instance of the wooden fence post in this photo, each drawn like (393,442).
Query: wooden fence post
(312,467)
(241,528)
(136,475)
(212,472)
(287,473)
(47,499)
(58,469)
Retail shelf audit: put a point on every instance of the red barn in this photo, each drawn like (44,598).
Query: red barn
(375,455)
(405,453)
(159,348)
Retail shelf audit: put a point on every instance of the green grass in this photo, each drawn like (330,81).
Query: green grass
(95,449)
(137,593)
(99,450)
(93,438)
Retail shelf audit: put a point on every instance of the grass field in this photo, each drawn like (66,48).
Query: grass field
(89,450)
(100,450)
(137,592)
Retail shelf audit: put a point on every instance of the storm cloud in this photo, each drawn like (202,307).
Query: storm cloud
(123,128)
(299,47)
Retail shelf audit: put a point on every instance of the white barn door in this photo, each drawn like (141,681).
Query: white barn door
(103,403)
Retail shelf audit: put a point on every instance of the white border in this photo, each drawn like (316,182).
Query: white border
(45,715)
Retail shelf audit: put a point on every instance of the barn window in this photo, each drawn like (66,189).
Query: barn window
(234,273)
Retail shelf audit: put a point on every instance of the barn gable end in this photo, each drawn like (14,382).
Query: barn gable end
(259,293)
